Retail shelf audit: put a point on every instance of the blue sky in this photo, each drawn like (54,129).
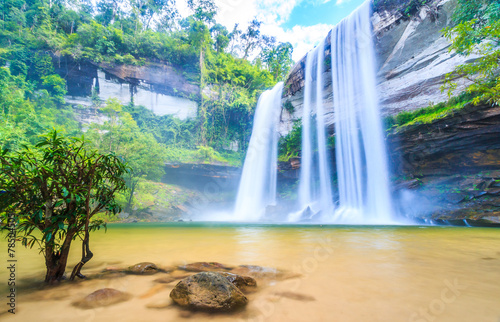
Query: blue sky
(309,13)
(303,23)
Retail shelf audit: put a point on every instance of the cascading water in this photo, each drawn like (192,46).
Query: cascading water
(257,188)
(362,170)
(314,197)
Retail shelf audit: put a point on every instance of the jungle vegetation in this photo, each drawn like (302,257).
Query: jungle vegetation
(236,65)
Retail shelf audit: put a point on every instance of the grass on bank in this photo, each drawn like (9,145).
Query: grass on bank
(428,114)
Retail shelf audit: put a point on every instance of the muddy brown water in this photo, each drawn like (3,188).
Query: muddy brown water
(337,273)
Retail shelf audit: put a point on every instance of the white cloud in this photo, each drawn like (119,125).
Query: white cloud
(272,13)
(303,39)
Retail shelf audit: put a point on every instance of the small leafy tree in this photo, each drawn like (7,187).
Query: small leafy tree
(479,36)
(278,60)
(53,190)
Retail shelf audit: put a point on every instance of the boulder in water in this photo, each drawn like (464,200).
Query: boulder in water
(208,291)
(102,297)
(145,268)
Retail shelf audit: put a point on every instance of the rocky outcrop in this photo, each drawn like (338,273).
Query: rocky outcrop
(412,57)
(449,170)
(466,140)
(162,88)
(208,291)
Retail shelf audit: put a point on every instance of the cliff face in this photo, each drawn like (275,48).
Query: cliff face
(450,169)
(466,141)
(159,87)
(412,58)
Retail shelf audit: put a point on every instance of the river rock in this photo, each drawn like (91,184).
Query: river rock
(102,297)
(205,267)
(208,291)
(144,268)
(241,282)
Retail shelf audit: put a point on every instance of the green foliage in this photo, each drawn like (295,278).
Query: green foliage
(25,114)
(54,189)
(288,106)
(203,10)
(140,150)
(290,145)
(36,33)
(56,86)
(480,10)
(428,114)
(406,7)
(278,60)
(477,37)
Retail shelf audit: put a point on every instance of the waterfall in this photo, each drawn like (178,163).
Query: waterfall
(314,197)
(363,176)
(360,152)
(257,188)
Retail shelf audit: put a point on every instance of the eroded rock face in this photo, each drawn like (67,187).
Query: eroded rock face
(449,169)
(102,297)
(466,140)
(208,291)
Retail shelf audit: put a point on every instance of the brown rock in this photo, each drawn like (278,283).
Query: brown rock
(144,268)
(102,297)
(208,291)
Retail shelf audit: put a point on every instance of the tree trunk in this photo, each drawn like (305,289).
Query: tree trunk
(56,262)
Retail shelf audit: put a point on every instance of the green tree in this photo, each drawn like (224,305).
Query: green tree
(140,150)
(478,37)
(56,86)
(220,35)
(203,10)
(278,60)
(53,190)
(253,39)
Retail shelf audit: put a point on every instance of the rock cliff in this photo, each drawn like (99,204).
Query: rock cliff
(162,88)
(449,169)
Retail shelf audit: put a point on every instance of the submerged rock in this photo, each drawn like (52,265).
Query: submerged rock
(205,267)
(102,297)
(144,268)
(265,273)
(296,296)
(208,291)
